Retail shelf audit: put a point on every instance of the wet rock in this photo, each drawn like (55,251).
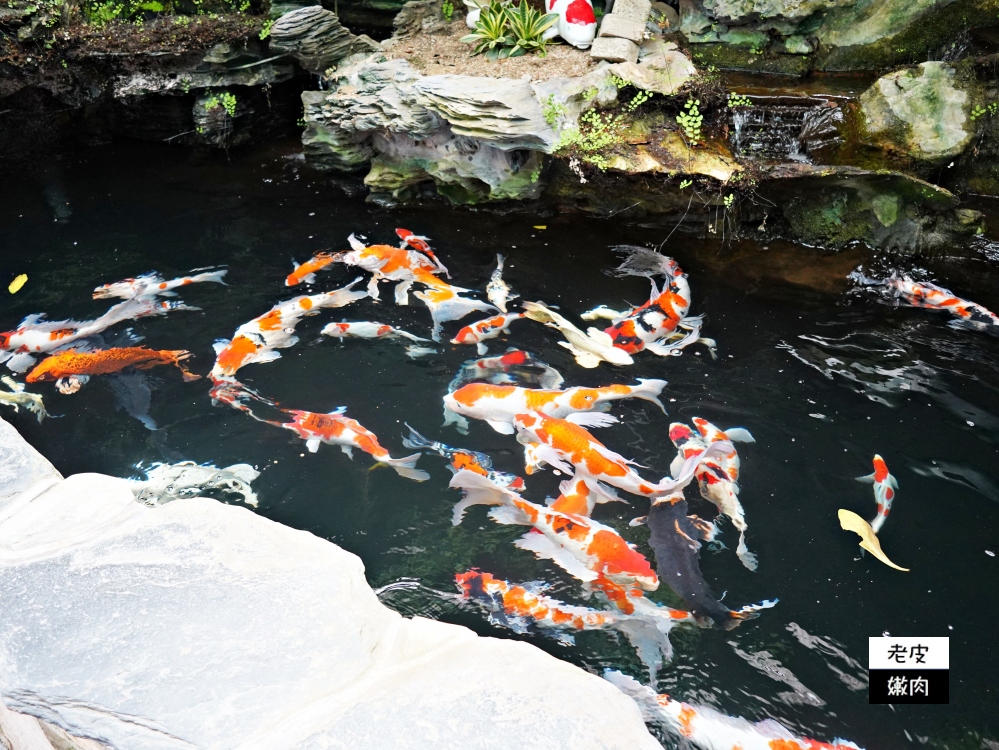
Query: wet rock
(316,39)
(921,112)
(614,50)
(198,624)
(665,72)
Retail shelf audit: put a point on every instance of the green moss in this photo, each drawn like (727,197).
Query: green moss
(729,57)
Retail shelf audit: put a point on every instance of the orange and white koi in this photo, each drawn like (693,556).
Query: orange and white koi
(497,405)
(717,478)
(153,285)
(705,728)
(422,244)
(307,271)
(589,348)
(483,330)
(257,340)
(460,458)
(35,335)
(336,429)
(564,444)
(445,301)
(71,369)
(924,294)
(387,263)
(231,392)
(367,330)
(581,546)
(885,486)
(497,290)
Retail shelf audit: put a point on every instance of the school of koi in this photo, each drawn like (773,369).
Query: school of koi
(517,395)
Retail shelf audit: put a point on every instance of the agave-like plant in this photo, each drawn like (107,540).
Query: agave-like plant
(491,32)
(527,27)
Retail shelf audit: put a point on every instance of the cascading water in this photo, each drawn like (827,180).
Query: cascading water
(785,129)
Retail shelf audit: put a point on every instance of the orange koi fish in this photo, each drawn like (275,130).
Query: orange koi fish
(564,444)
(153,285)
(35,335)
(482,331)
(307,271)
(459,459)
(581,546)
(885,486)
(704,727)
(387,263)
(336,429)
(497,405)
(422,244)
(717,478)
(924,294)
(70,369)
(257,340)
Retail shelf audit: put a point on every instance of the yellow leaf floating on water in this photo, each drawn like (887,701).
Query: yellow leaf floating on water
(850,521)
(541,226)
(17,283)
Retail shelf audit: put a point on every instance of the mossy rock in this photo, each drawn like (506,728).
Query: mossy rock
(729,57)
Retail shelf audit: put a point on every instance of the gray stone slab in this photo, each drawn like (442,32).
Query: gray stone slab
(622,28)
(614,49)
(634,10)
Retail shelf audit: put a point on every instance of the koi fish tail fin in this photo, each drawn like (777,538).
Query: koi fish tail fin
(739,435)
(649,390)
(189,377)
(416,441)
(215,276)
(745,556)
(477,490)
(651,642)
(878,522)
(643,261)
(406,467)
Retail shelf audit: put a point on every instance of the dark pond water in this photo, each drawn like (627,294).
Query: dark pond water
(822,376)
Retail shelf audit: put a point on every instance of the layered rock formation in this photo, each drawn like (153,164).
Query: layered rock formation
(198,624)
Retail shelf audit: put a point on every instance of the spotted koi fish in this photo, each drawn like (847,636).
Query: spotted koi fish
(367,330)
(497,290)
(704,727)
(257,340)
(153,285)
(459,459)
(70,369)
(566,445)
(497,405)
(422,244)
(885,486)
(336,429)
(35,335)
(717,478)
(583,547)
(924,294)
(307,271)
(480,332)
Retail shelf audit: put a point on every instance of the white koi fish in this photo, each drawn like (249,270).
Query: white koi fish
(497,290)
(445,301)
(590,348)
(153,285)
(885,486)
(497,405)
(705,728)
(257,340)
(336,429)
(18,397)
(482,331)
(367,330)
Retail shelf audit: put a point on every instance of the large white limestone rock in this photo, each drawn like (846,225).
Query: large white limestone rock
(203,625)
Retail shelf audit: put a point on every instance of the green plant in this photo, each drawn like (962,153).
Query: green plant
(101,14)
(737,100)
(729,200)
(265,30)
(490,33)
(685,184)
(754,50)
(527,27)
(225,100)
(691,120)
(552,110)
(979,110)
(447,10)
(596,133)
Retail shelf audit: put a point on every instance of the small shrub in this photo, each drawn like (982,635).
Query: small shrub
(265,30)
(691,120)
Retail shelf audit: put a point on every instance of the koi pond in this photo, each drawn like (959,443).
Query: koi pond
(823,371)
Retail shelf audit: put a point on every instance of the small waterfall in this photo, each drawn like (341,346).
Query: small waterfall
(785,129)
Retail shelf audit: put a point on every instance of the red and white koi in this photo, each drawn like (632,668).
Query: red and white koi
(564,444)
(885,486)
(581,546)
(336,429)
(153,285)
(483,330)
(924,294)
(367,330)
(257,340)
(307,271)
(589,348)
(497,290)
(705,728)
(497,405)
(717,478)
(422,244)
